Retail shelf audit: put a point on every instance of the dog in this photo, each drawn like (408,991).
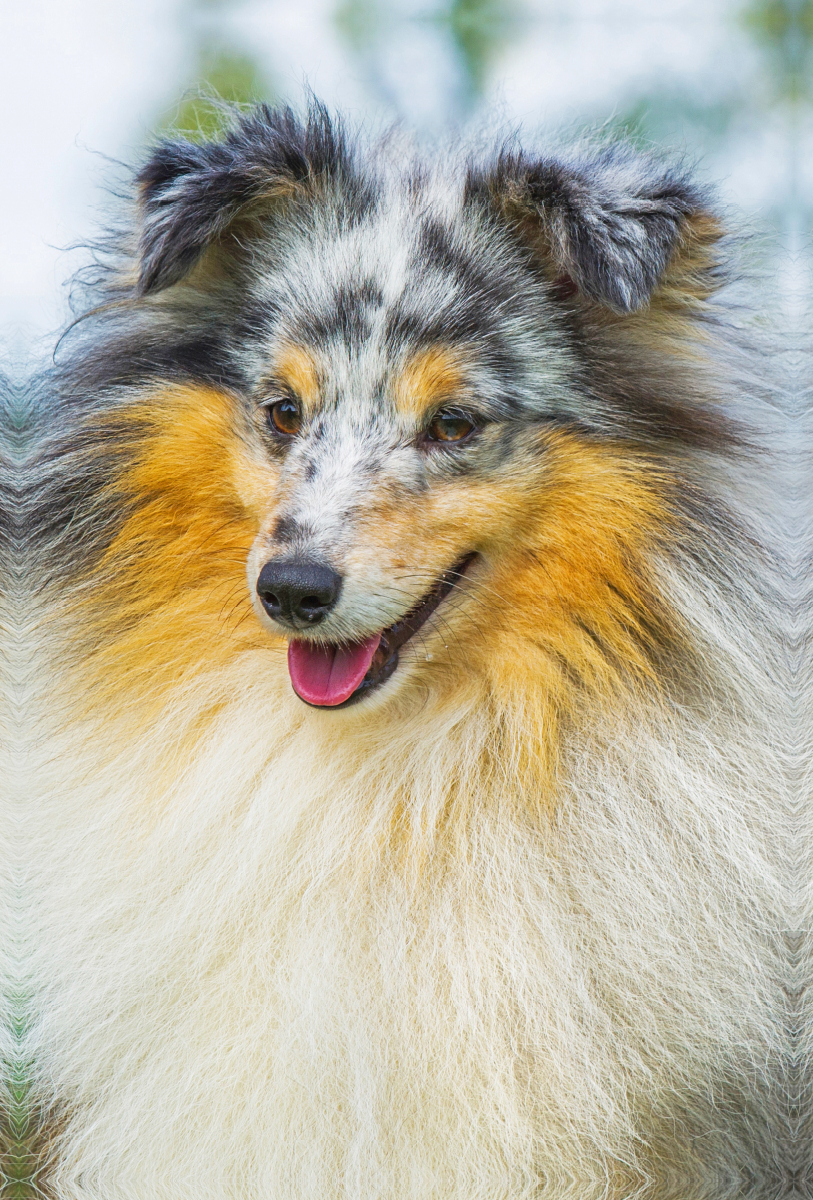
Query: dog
(406,773)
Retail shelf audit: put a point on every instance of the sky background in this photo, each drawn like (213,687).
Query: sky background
(86,81)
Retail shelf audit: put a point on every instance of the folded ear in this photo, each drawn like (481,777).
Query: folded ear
(607,224)
(191,193)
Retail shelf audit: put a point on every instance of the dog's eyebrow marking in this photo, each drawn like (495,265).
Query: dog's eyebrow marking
(296,366)
(429,378)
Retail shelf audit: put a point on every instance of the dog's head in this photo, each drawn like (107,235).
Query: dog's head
(444,394)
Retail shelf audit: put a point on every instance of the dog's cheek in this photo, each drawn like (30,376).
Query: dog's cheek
(255,482)
(572,587)
(435,529)
(254,474)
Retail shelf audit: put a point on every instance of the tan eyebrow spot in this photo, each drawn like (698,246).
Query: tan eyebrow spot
(297,368)
(431,376)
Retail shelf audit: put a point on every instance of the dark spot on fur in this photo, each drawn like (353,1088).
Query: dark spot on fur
(286,530)
(130,358)
(437,249)
(347,318)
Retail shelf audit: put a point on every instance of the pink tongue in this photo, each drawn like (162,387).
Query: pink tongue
(328,675)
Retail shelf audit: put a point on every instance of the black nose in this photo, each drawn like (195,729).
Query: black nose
(298,594)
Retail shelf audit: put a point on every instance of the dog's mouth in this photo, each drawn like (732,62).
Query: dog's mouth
(326,676)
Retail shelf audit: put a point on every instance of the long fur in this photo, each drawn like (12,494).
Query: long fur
(513,925)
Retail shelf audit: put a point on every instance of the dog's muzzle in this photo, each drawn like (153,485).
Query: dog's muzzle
(298,593)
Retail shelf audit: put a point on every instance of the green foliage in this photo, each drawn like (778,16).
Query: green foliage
(359,23)
(784,31)
(477,29)
(222,74)
(667,117)
(480,29)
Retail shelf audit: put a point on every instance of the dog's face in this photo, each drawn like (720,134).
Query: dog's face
(428,433)
(401,396)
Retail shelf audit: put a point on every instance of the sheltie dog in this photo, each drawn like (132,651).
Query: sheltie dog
(404,808)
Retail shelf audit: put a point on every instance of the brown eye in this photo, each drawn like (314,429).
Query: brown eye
(285,418)
(450,427)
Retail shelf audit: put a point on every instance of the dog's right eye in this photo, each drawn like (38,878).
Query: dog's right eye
(284,417)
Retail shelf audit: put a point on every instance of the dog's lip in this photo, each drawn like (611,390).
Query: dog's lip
(385,659)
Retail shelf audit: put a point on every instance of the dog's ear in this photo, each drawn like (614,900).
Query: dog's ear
(191,193)
(607,225)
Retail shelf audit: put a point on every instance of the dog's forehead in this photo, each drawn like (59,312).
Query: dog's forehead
(397,277)
(413,301)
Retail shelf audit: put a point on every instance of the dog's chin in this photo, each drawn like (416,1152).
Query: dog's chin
(337,677)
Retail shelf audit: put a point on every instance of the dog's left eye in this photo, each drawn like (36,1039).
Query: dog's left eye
(450,426)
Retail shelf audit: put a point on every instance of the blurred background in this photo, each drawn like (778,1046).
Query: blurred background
(730,82)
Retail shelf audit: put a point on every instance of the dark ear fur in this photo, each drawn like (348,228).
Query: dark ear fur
(190,193)
(608,223)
